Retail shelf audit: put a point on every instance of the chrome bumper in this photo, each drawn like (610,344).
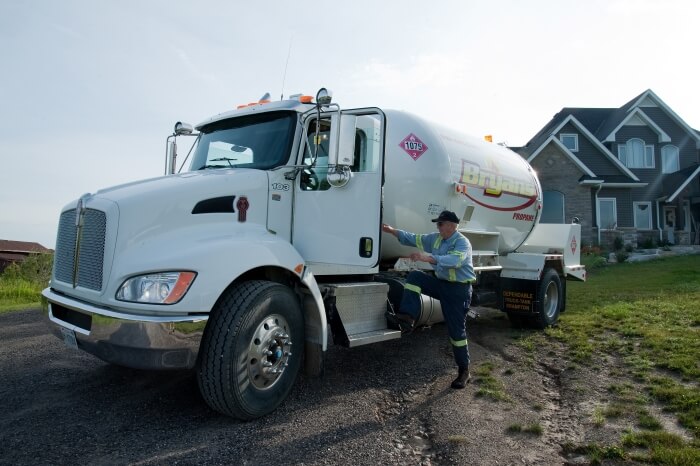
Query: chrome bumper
(140,342)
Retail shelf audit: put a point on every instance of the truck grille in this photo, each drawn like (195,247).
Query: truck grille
(92,246)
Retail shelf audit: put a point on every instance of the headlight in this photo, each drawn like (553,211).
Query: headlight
(156,288)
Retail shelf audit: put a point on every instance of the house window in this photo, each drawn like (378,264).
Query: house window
(607,213)
(570,141)
(642,215)
(669,159)
(636,154)
(552,207)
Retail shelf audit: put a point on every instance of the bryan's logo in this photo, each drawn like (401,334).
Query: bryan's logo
(500,192)
(413,146)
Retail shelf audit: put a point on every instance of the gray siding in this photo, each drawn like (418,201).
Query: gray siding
(687,153)
(624,205)
(590,155)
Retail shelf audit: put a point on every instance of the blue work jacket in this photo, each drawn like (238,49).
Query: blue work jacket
(453,255)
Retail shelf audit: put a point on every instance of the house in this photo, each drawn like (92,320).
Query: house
(17,251)
(630,172)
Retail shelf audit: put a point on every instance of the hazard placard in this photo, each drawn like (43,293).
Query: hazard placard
(413,146)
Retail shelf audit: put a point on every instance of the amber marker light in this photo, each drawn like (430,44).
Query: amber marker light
(181,286)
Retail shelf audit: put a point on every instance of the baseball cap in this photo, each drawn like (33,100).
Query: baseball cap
(446,216)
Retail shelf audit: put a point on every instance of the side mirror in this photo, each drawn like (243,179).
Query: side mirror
(342,143)
(183,128)
(170,156)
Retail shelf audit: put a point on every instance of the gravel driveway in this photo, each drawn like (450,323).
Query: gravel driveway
(387,403)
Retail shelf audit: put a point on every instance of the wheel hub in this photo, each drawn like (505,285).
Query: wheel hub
(269,352)
(551,299)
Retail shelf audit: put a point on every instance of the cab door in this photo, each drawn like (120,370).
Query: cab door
(337,229)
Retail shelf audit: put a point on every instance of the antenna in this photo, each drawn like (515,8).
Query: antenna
(284,76)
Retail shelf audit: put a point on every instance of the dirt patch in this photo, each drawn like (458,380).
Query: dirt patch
(388,403)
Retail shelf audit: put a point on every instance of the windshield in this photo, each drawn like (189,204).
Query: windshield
(261,141)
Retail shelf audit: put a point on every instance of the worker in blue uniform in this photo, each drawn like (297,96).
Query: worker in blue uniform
(450,253)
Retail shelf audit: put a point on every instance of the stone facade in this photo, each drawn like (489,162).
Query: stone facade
(557,172)
(645,239)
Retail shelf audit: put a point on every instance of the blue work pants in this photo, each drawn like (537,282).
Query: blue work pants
(454,300)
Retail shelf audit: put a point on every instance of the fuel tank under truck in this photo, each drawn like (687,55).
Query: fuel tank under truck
(430,168)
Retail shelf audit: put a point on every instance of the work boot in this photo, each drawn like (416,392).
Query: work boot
(462,378)
(403,321)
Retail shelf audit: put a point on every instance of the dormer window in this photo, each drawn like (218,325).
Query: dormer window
(570,141)
(636,154)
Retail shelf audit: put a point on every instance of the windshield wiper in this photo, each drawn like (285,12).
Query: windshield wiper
(226,159)
(220,159)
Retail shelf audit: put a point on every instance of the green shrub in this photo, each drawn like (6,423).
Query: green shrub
(21,283)
(35,268)
(648,243)
(621,256)
(595,262)
(618,243)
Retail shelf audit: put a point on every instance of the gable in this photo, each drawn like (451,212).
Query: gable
(650,101)
(589,153)
(637,117)
(646,101)
(585,133)
(553,143)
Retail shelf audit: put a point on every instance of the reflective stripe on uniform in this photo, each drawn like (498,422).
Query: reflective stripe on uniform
(458,254)
(419,242)
(414,288)
(453,275)
(458,343)
(437,242)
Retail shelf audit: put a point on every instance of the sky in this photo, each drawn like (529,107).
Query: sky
(89,90)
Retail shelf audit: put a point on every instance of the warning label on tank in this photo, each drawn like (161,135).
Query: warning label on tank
(413,146)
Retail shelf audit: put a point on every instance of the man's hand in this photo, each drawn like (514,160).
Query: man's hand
(389,229)
(422,257)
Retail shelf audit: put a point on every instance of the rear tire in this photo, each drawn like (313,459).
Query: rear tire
(247,363)
(550,297)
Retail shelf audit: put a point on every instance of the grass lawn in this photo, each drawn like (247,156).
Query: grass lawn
(648,314)
(18,293)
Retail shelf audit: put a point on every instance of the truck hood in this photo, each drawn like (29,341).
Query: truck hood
(144,215)
(178,200)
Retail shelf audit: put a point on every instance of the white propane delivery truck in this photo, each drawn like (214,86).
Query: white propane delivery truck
(247,264)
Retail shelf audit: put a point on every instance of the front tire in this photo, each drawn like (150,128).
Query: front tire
(550,297)
(251,350)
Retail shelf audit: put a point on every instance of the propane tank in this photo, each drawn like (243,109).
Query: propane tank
(430,168)
(429,310)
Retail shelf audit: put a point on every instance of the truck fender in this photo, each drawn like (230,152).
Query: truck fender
(287,257)
(276,252)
